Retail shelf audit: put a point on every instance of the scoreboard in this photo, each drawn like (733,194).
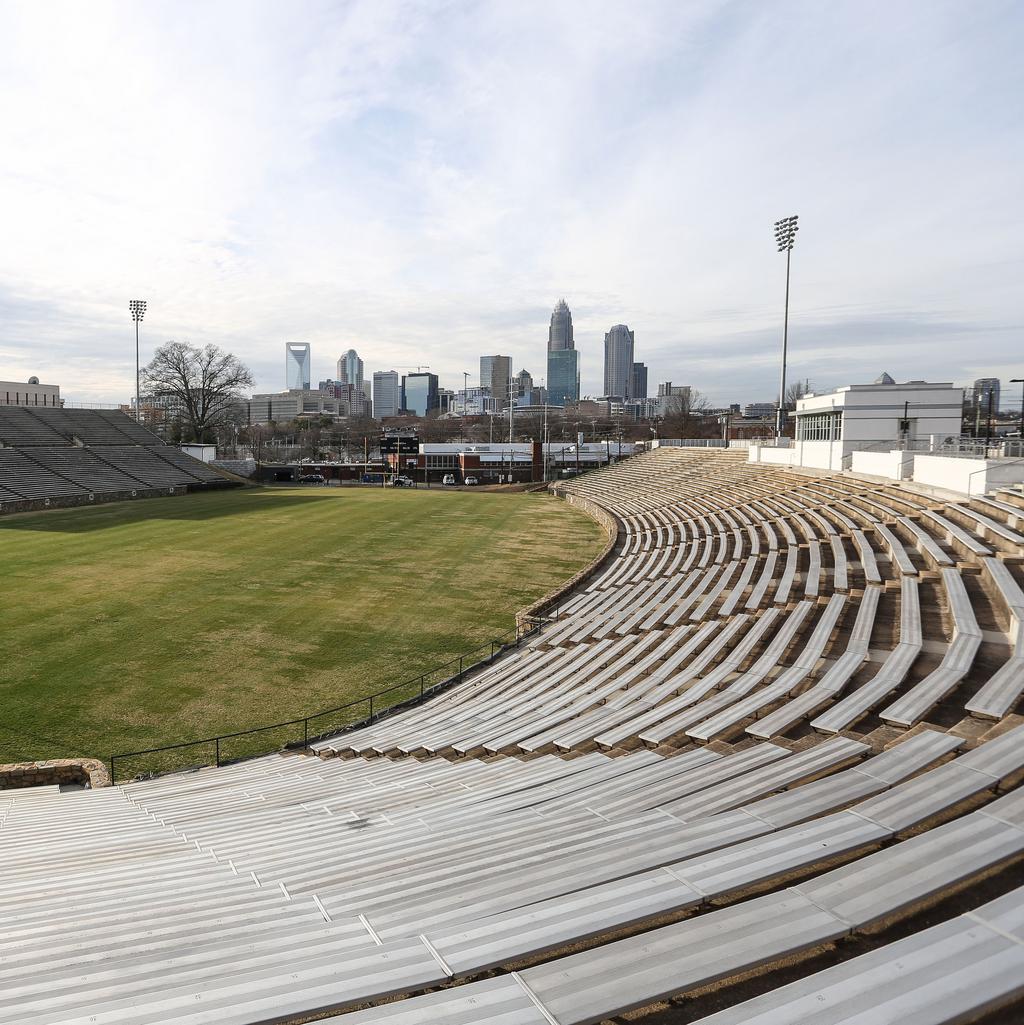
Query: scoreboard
(404,444)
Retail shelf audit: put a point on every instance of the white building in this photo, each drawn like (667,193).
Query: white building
(30,393)
(876,417)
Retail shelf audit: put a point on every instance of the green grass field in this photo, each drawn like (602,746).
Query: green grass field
(134,625)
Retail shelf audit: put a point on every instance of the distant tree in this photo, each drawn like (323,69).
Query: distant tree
(206,382)
(797,390)
(685,416)
(256,437)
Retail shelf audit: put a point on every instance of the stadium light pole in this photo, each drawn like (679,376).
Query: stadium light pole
(1020,381)
(137,308)
(785,236)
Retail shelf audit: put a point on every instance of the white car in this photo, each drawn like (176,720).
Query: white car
(448,480)
(472,480)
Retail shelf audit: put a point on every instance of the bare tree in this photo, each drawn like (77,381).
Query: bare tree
(685,416)
(256,437)
(205,383)
(797,390)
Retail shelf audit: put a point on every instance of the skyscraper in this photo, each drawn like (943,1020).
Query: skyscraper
(387,394)
(563,359)
(420,394)
(522,388)
(618,362)
(296,364)
(984,387)
(495,375)
(560,331)
(350,369)
(639,381)
(563,377)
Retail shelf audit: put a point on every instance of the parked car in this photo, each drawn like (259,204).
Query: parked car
(402,482)
(472,480)
(448,480)
(312,478)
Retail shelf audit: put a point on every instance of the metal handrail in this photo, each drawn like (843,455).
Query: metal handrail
(495,648)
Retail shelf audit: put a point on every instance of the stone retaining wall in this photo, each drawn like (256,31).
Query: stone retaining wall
(54,771)
(100,498)
(611,528)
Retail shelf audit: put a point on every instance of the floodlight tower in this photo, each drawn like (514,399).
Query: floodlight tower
(137,308)
(785,236)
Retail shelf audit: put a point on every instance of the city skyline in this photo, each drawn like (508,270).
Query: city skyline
(343,178)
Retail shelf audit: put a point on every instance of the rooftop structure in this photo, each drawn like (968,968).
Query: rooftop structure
(30,393)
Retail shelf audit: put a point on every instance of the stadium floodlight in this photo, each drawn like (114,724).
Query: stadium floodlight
(785,236)
(137,308)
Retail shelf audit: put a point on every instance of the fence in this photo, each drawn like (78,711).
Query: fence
(689,443)
(301,732)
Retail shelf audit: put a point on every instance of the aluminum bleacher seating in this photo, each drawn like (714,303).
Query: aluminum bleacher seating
(634,804)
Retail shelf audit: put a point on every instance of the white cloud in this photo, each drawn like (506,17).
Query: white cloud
(424,180)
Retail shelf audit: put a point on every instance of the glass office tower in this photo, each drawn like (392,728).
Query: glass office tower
(296,365)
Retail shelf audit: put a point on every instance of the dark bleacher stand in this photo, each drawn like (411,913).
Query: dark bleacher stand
(60,454)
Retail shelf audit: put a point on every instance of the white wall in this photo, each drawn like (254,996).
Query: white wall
(895,465)
(968,476)
(205,453)
(768,454)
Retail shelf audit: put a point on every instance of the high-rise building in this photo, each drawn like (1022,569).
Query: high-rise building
(350,369)
(496,377)
(563,359)
(983,388)
(419,394)
(296,365)
(522,388)
(618,362)
(563,377)
(387,393)
(639,381)
(560,331)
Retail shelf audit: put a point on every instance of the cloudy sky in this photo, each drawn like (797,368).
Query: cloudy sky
(423,180)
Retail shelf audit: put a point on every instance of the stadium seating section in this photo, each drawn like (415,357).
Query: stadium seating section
(56,454)
(780,720)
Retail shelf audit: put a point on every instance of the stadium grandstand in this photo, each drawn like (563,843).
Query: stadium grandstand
(51,456)
(769,750)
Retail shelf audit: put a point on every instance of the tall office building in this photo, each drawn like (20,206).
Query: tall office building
(496,376)
(618,362)
(420,394)
(350,369)
(387,393)
(563,377)
(984,387)
(296,364)
(563,359)
(639,381)
(560,331)
(522,388)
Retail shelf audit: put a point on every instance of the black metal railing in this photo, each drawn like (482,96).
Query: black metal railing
(301,732)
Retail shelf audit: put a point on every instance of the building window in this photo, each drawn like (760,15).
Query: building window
(820,427)
(442,462)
